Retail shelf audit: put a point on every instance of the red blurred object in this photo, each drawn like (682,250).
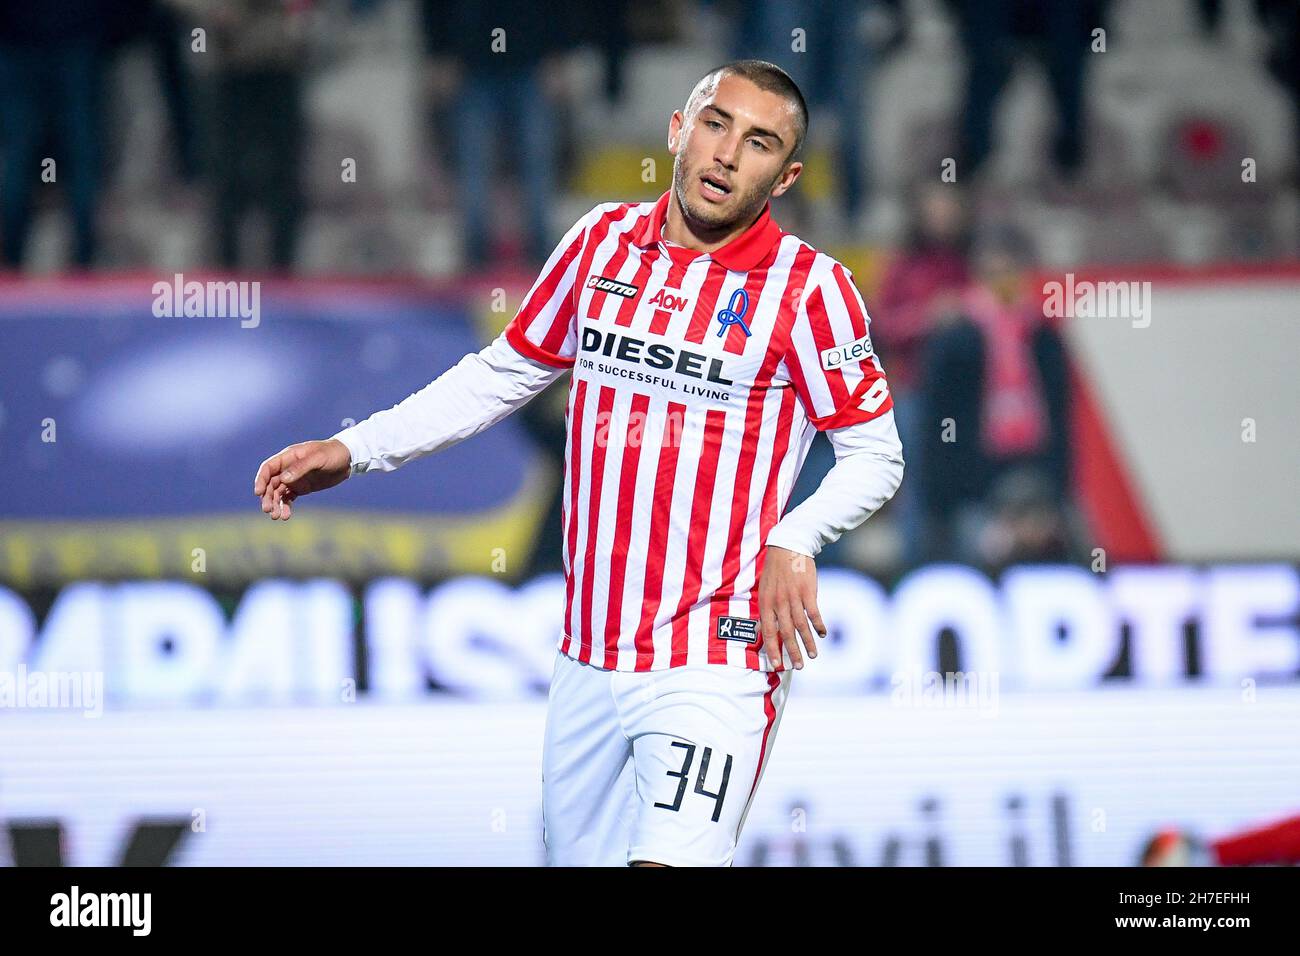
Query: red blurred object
(1203,139)
(1278,843)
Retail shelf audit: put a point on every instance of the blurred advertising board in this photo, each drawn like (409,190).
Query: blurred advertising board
(132,439)
(1078,778)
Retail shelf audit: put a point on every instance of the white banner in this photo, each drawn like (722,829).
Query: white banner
(1081,778)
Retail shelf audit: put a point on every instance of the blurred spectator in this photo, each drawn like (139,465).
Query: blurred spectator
(923,281)
(1057,32)
(926,277)
(994,384)
(156,24)
(605,25)
(1280,20)
(502,58)
(258,47)
(52,55)
(1024,522)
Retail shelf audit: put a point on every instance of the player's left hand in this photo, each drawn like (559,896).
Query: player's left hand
(787,602)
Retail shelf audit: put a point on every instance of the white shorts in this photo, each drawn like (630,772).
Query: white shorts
(658,766)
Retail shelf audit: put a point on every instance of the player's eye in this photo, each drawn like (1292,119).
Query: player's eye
(713,124)
(760,144)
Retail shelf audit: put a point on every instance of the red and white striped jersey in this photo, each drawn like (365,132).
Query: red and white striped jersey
(698,382)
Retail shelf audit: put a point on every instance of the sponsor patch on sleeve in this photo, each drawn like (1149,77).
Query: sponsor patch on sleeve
(838,356)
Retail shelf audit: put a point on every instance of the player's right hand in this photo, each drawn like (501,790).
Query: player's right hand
(299,470)
(787,604)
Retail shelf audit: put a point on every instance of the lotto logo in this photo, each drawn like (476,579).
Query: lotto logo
(665,299)
(603,284)
(875,396)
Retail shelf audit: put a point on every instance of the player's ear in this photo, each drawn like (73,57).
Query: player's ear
(788,176)
(675,124)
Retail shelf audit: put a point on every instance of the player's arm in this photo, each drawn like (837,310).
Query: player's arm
(480,390)
(842,386)
(472,395)
(868,470)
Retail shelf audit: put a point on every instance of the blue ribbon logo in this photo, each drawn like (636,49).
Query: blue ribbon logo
(734,313)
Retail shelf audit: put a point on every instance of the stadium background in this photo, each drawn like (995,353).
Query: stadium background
(367,683)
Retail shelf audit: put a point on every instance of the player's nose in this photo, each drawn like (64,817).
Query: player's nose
(727,150)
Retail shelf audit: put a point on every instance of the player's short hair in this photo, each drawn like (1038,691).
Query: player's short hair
(766,76)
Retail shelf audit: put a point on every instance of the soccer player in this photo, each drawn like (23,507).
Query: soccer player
(707,347)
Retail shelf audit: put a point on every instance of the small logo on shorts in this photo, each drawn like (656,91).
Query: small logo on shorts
(738,629)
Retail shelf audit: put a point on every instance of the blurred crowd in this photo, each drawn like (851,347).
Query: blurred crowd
(234,79)
(969,347)
(954,313)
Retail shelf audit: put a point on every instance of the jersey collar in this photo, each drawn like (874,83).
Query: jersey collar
(741,254)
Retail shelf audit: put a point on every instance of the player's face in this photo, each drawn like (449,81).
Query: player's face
(730,153)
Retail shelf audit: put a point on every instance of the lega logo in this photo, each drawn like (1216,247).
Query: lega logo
(837,356)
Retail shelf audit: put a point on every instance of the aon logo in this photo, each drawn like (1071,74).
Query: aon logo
(665,299)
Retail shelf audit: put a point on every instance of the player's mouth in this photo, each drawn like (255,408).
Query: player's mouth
(714,187)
